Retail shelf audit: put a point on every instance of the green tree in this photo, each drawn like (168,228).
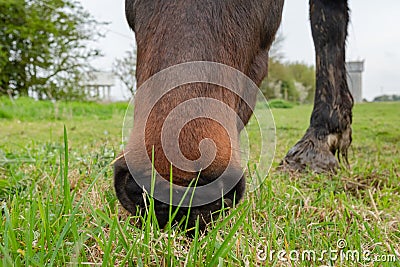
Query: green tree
(305,75)
(45,47)
(284,79)
(290,81)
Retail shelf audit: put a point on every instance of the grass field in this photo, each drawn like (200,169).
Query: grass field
(58,205)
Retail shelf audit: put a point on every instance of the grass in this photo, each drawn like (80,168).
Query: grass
(59,208)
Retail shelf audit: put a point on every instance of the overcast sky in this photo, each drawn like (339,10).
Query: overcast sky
(374,36)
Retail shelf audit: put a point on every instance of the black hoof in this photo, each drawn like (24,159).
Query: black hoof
(317,152)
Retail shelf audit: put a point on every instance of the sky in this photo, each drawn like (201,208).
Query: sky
(374,36)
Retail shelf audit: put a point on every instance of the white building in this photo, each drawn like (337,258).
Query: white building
(354,79)
(98,85)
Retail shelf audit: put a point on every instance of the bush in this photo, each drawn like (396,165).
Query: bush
(5,115)
(280,103)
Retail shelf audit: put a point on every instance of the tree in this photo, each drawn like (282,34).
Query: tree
(279,83)
(125,69)
(275,52)
(44,47)
(290,81)
(305,75)
(387,98)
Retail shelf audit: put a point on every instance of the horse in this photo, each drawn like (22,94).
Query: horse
(237,34)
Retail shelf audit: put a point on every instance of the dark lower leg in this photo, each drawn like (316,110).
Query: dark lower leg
(330,125)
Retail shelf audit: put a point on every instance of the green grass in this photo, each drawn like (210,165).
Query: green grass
(25,109)
(59,208)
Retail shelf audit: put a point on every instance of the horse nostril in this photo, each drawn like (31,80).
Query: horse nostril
(130,194)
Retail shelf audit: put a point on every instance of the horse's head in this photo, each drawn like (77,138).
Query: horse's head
(192,130)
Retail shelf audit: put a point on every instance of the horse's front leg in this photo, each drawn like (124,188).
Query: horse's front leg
(329,132)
